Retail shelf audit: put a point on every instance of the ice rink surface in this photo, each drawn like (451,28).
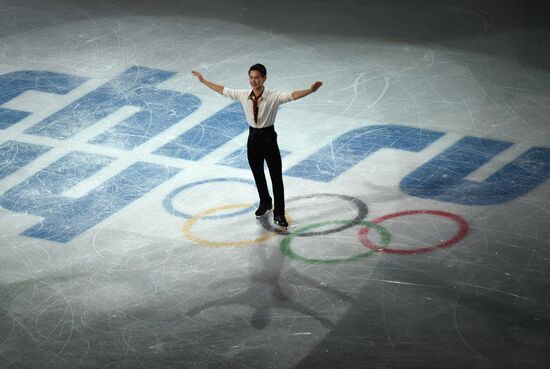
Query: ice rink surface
(416,181)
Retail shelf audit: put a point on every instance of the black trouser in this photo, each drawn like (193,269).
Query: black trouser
(262,145)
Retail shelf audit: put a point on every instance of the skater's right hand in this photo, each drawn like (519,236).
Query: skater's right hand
(198,75)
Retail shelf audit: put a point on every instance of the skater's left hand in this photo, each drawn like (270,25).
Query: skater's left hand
(315,86)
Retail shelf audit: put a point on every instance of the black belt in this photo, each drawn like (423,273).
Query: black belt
(253,130)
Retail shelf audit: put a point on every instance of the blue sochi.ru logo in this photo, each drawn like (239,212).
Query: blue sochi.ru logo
(443,178)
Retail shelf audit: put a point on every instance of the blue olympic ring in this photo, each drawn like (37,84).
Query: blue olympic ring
(170,208)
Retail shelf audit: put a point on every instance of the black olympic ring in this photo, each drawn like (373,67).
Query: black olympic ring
(362,211)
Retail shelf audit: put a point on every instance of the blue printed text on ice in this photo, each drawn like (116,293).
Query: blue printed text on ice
(442,178)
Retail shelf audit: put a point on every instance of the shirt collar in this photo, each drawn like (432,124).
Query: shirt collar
(251,94)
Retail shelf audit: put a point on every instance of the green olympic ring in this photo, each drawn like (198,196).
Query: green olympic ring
(286,250)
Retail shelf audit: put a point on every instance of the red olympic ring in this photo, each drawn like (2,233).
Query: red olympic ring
(462,231)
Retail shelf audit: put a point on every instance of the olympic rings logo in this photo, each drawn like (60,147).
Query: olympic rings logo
(289,236)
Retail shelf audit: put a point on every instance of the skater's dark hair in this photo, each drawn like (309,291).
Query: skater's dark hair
(260,68)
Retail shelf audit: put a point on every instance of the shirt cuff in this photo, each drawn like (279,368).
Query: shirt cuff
(286,97)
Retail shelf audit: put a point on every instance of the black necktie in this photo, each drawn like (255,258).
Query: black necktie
(255,105)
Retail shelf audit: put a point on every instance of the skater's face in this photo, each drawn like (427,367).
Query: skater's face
(256,79)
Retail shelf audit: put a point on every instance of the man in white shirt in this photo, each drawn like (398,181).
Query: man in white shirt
(260,107)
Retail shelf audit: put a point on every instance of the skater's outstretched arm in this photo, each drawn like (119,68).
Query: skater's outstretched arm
(212,85)
(302,93)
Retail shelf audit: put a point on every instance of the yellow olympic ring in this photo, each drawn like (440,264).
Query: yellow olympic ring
(187,227)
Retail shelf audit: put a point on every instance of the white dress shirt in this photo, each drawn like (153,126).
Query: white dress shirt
(268,104)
